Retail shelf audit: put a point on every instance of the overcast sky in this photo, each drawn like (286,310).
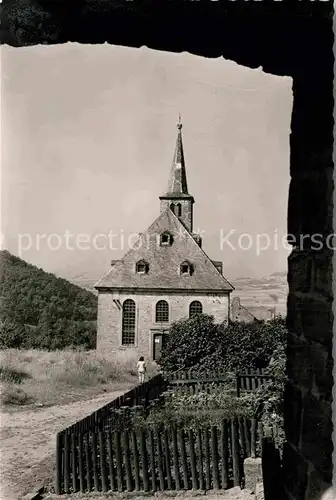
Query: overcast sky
(88,136)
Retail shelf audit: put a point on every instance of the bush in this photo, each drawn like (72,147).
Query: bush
(242,346)
(9,374)
(200,344)
(188,342)
(12,395)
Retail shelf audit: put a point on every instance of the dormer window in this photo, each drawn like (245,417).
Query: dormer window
(142,267)
(186,269)
(166,239)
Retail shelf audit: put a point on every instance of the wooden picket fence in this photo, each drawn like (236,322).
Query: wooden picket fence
(106,451)
(163,458)
(210,381)
(141,396)
(194,383)
(250,380)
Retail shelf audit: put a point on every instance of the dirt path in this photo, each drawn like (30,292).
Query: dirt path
(28,441)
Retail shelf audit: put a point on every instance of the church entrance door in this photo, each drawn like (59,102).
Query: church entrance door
(159,339)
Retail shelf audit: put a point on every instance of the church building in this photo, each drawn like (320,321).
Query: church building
(164,277)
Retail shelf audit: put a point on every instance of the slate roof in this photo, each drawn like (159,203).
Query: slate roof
(164,262)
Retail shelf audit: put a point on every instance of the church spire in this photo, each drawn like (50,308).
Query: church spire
(178,177)
(177,197)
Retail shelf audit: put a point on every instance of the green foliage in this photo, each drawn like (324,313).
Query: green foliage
(200,344)
(188,341)
(39,310)
(266,402)
(242,346)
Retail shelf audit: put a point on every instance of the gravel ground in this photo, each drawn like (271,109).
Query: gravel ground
(28,442)
(231,494)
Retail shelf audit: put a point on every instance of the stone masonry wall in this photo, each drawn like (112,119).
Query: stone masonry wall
(307,459)
(110,317)
(187,210)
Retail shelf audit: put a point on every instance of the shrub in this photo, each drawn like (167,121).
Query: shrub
(188,342)
(9,374)
(200,344)
(242,346)
(13,395)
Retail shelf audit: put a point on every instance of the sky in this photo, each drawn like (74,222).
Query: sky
(87,141)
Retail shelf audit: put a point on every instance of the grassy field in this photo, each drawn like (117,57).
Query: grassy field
(35,378)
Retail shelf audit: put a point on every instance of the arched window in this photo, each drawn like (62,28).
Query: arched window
(176,208)
(195,308)
(128,322)
(162,312)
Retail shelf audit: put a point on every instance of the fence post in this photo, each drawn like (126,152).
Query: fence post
(136,460)
(59,453)
(66,462)
(237,385)
(167,459)
(192,459)
(235,452)
(253,437)
(207,460)
(214,457)
(224,453)
(176,460)
(271,470)
(118,461)
(110,457)
(152,459)
(94,461)
(73,461)
(247,435)
(181,438)
(159,458)
(102,461)
(127,460)
(144,461)
(81,462)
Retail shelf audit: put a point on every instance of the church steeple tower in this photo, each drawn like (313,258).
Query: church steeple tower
(177,197)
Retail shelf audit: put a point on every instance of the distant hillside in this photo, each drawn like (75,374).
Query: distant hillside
(269,291)
(85,281)
(39,310)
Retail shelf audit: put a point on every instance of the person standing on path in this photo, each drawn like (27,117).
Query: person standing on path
(141,369)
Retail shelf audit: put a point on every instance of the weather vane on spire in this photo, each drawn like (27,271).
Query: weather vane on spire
(179,125)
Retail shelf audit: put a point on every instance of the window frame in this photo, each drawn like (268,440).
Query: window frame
(193,303)
(190,270)
(167,311)
(169,241)
(127,330)
(144,264)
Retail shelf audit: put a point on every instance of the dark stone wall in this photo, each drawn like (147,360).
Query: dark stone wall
(292,38)
(308,413)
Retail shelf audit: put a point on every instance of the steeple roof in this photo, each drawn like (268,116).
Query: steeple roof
(177,185)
